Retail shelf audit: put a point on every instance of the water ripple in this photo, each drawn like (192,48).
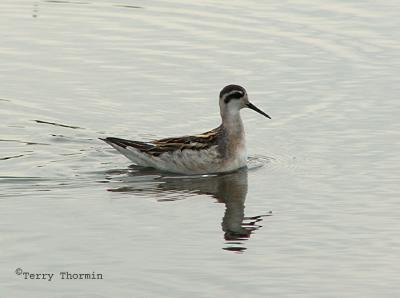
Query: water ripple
(57,124)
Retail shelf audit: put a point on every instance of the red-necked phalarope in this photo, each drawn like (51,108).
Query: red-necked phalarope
(222,149)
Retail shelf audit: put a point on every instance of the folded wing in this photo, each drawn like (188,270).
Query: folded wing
(158,147)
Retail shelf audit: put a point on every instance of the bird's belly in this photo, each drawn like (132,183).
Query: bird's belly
(242,157)
(237,160)
(204,161)
(192,161)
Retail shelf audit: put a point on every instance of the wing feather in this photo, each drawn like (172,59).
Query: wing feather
(158,147)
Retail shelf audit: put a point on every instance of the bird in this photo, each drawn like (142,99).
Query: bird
(220,150)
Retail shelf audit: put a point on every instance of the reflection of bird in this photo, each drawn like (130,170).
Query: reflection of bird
(222,149)
(229,188)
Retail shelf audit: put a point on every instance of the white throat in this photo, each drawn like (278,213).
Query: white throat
(232,121)
(235,138)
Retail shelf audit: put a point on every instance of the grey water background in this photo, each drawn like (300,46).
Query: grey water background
(316,214)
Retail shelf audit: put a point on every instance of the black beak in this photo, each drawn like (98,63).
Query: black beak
(254,108)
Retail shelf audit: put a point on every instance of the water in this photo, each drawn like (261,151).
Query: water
(316,214)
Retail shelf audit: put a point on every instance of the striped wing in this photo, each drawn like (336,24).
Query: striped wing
(158,147)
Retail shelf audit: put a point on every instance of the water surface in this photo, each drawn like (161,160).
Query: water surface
(314,216)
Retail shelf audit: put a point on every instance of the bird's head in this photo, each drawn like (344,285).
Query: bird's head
(233,98)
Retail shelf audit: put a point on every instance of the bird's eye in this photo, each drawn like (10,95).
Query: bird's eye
(233,95)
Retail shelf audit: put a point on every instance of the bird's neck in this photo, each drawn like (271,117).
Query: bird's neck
(233,124)
(234,145)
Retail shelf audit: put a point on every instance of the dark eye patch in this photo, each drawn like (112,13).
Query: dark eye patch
(234,95)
